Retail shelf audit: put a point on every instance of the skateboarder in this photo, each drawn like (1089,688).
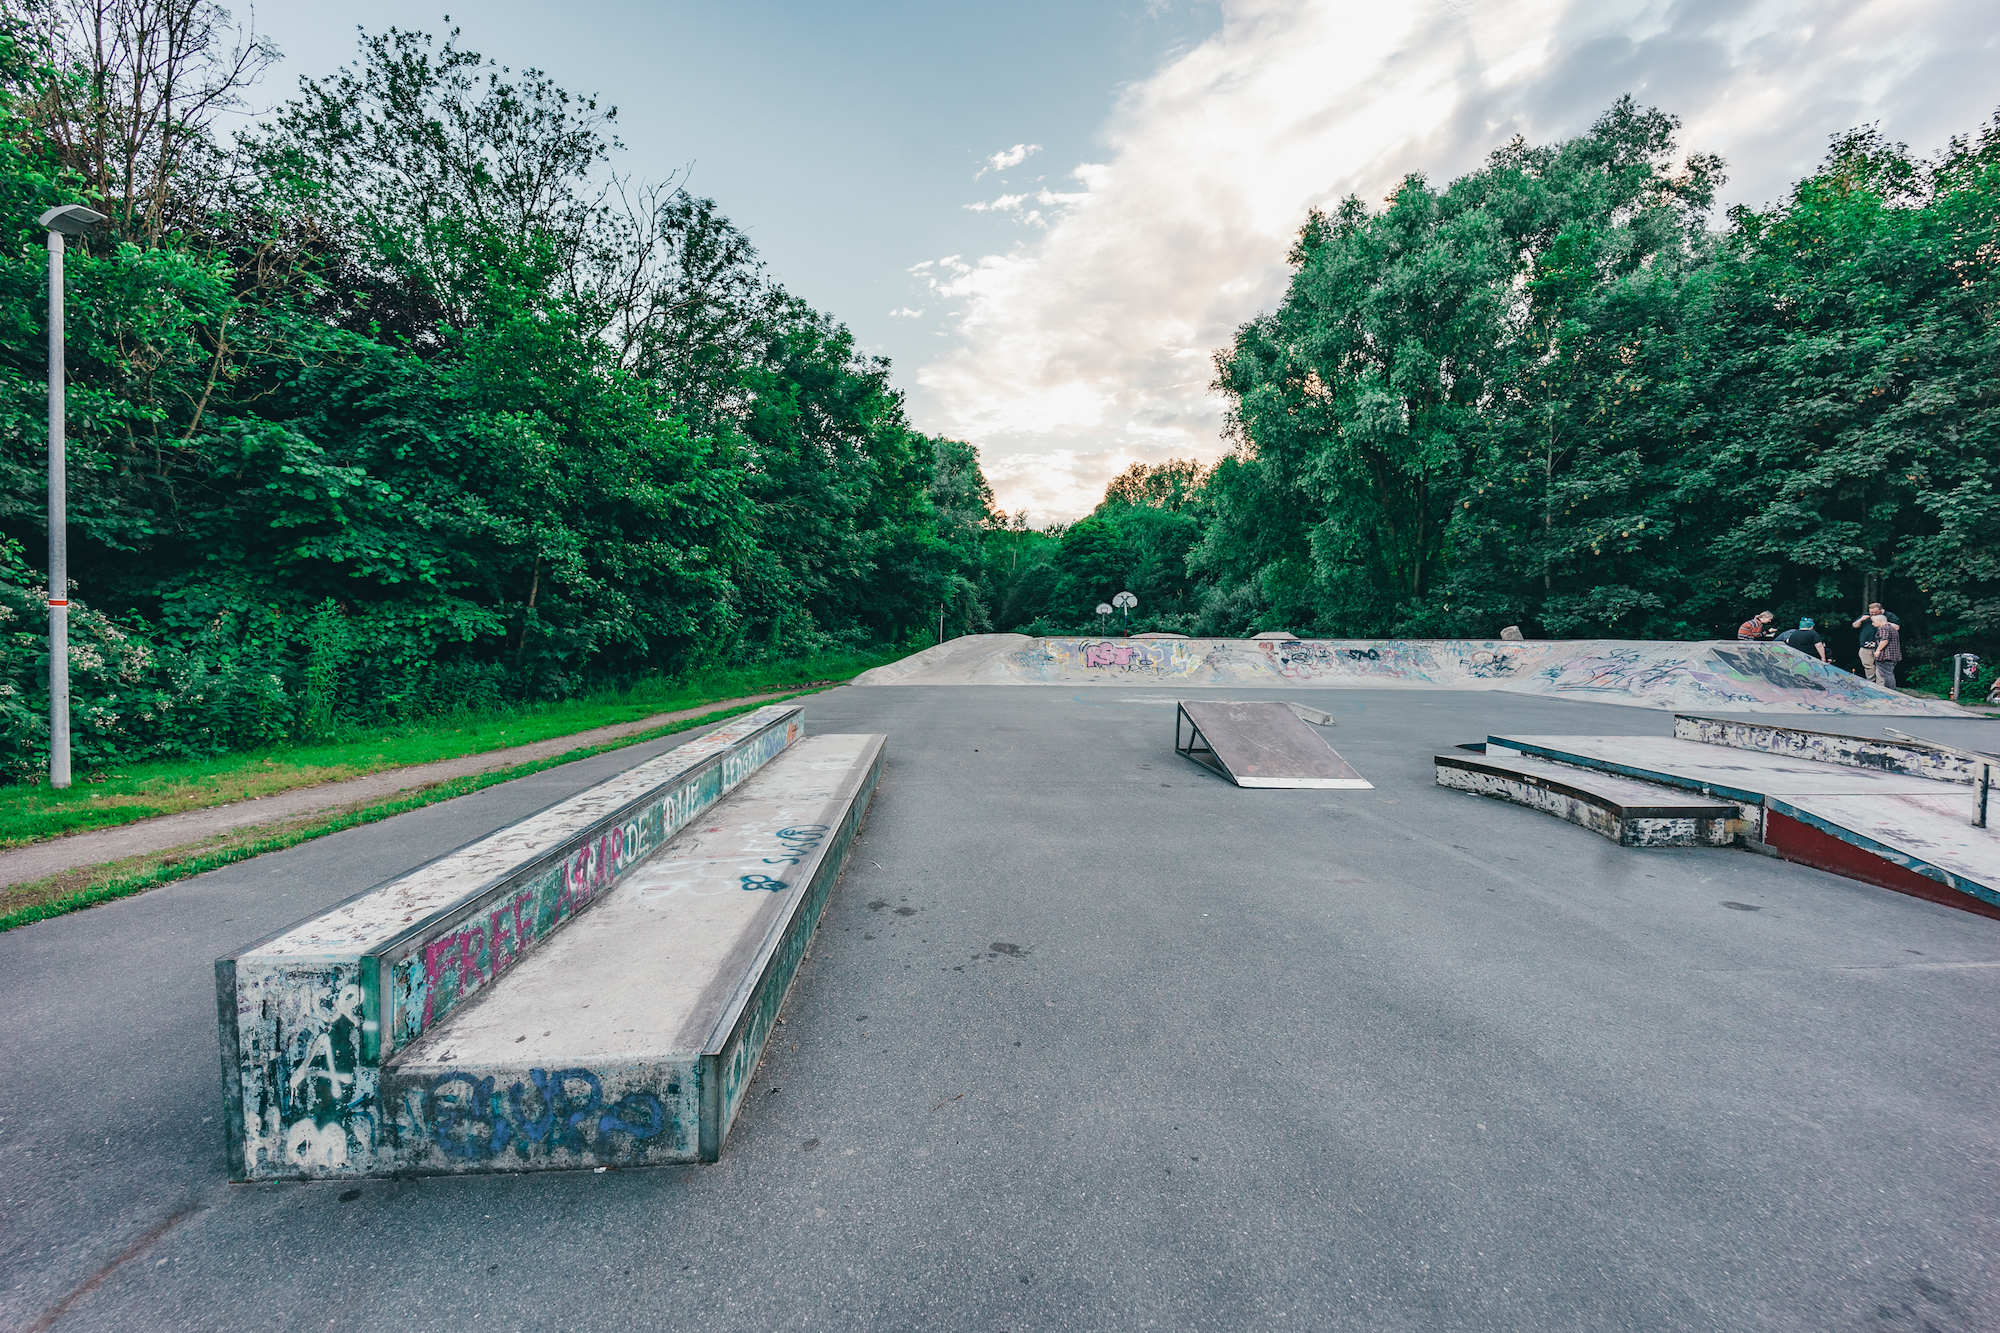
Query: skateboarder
(1756,627)
(1805,638)
(1866,624)
(1888,651)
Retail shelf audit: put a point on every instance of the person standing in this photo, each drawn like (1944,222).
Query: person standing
(1866,624)
(1888,651)
(1756,627)
(1805,639)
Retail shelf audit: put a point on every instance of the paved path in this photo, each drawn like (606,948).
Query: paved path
(20,865)
(1091,1040)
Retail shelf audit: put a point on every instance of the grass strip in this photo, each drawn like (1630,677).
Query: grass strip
(117,793)
(72,891)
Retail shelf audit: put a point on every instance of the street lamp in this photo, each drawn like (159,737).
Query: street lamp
(66,220)
(1128,601)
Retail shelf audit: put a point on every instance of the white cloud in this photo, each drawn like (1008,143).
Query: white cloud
(1011,202)
(1089,344)
(1008,157)
(906,312)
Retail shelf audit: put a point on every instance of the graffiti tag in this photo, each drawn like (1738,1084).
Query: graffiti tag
(472,1120)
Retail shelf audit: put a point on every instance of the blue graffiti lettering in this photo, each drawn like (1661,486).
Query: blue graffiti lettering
(636,1113)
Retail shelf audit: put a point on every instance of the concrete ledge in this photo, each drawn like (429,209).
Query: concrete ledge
(308,1015)
(1630,813)
(1865,820)
(1912,758)
(631,1038)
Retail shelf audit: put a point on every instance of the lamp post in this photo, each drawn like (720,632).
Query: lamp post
(1128,601)
(66,220)
(1964,666)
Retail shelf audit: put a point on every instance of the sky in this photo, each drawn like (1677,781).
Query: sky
(1049,216)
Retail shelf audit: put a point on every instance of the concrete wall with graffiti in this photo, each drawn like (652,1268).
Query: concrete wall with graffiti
(1916,758)
(309,1015)
(1724,676)
(498,1119)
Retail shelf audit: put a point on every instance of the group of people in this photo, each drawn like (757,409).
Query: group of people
(1881,640)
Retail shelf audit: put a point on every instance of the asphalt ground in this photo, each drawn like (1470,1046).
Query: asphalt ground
(1091,1039)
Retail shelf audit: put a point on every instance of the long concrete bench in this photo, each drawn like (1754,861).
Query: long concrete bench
(630,1038)
(309,1015)
(1629,812)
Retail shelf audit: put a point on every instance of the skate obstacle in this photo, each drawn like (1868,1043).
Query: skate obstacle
(1629,812)
(1260,743)
(1900,813)
(591,985)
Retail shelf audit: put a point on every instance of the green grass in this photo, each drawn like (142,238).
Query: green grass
(87,886)
(33,812)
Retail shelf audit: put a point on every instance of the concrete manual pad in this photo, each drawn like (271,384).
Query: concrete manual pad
(1922,825)
(1740,775)
(1629,812)
(1628,794)
(1259,743)
(629,1037)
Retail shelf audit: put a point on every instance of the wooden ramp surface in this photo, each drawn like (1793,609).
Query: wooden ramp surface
(1260,743)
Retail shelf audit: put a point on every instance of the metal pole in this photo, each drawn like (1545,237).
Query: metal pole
(58,532)
(1956,658)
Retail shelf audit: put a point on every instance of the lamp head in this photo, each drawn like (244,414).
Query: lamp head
(71,219)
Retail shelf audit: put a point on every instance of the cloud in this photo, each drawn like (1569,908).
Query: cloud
(1008,157)
(1089,342)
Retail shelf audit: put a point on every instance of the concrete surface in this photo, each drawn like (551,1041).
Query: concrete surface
(39,860)
(1090,1040)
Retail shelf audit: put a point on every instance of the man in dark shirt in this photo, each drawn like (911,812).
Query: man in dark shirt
(1805,638)
(1866,624)
(1888,651)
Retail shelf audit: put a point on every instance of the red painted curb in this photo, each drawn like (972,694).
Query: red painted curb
(1798,841)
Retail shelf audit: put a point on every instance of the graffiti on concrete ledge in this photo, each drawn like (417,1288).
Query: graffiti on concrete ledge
(470,1118)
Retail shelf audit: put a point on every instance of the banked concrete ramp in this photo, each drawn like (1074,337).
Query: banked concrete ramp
(1718,676)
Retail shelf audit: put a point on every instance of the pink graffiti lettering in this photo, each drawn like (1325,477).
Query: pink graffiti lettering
(505,925)
(470,942)
(460,947)
(1108,654)
(590,868)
